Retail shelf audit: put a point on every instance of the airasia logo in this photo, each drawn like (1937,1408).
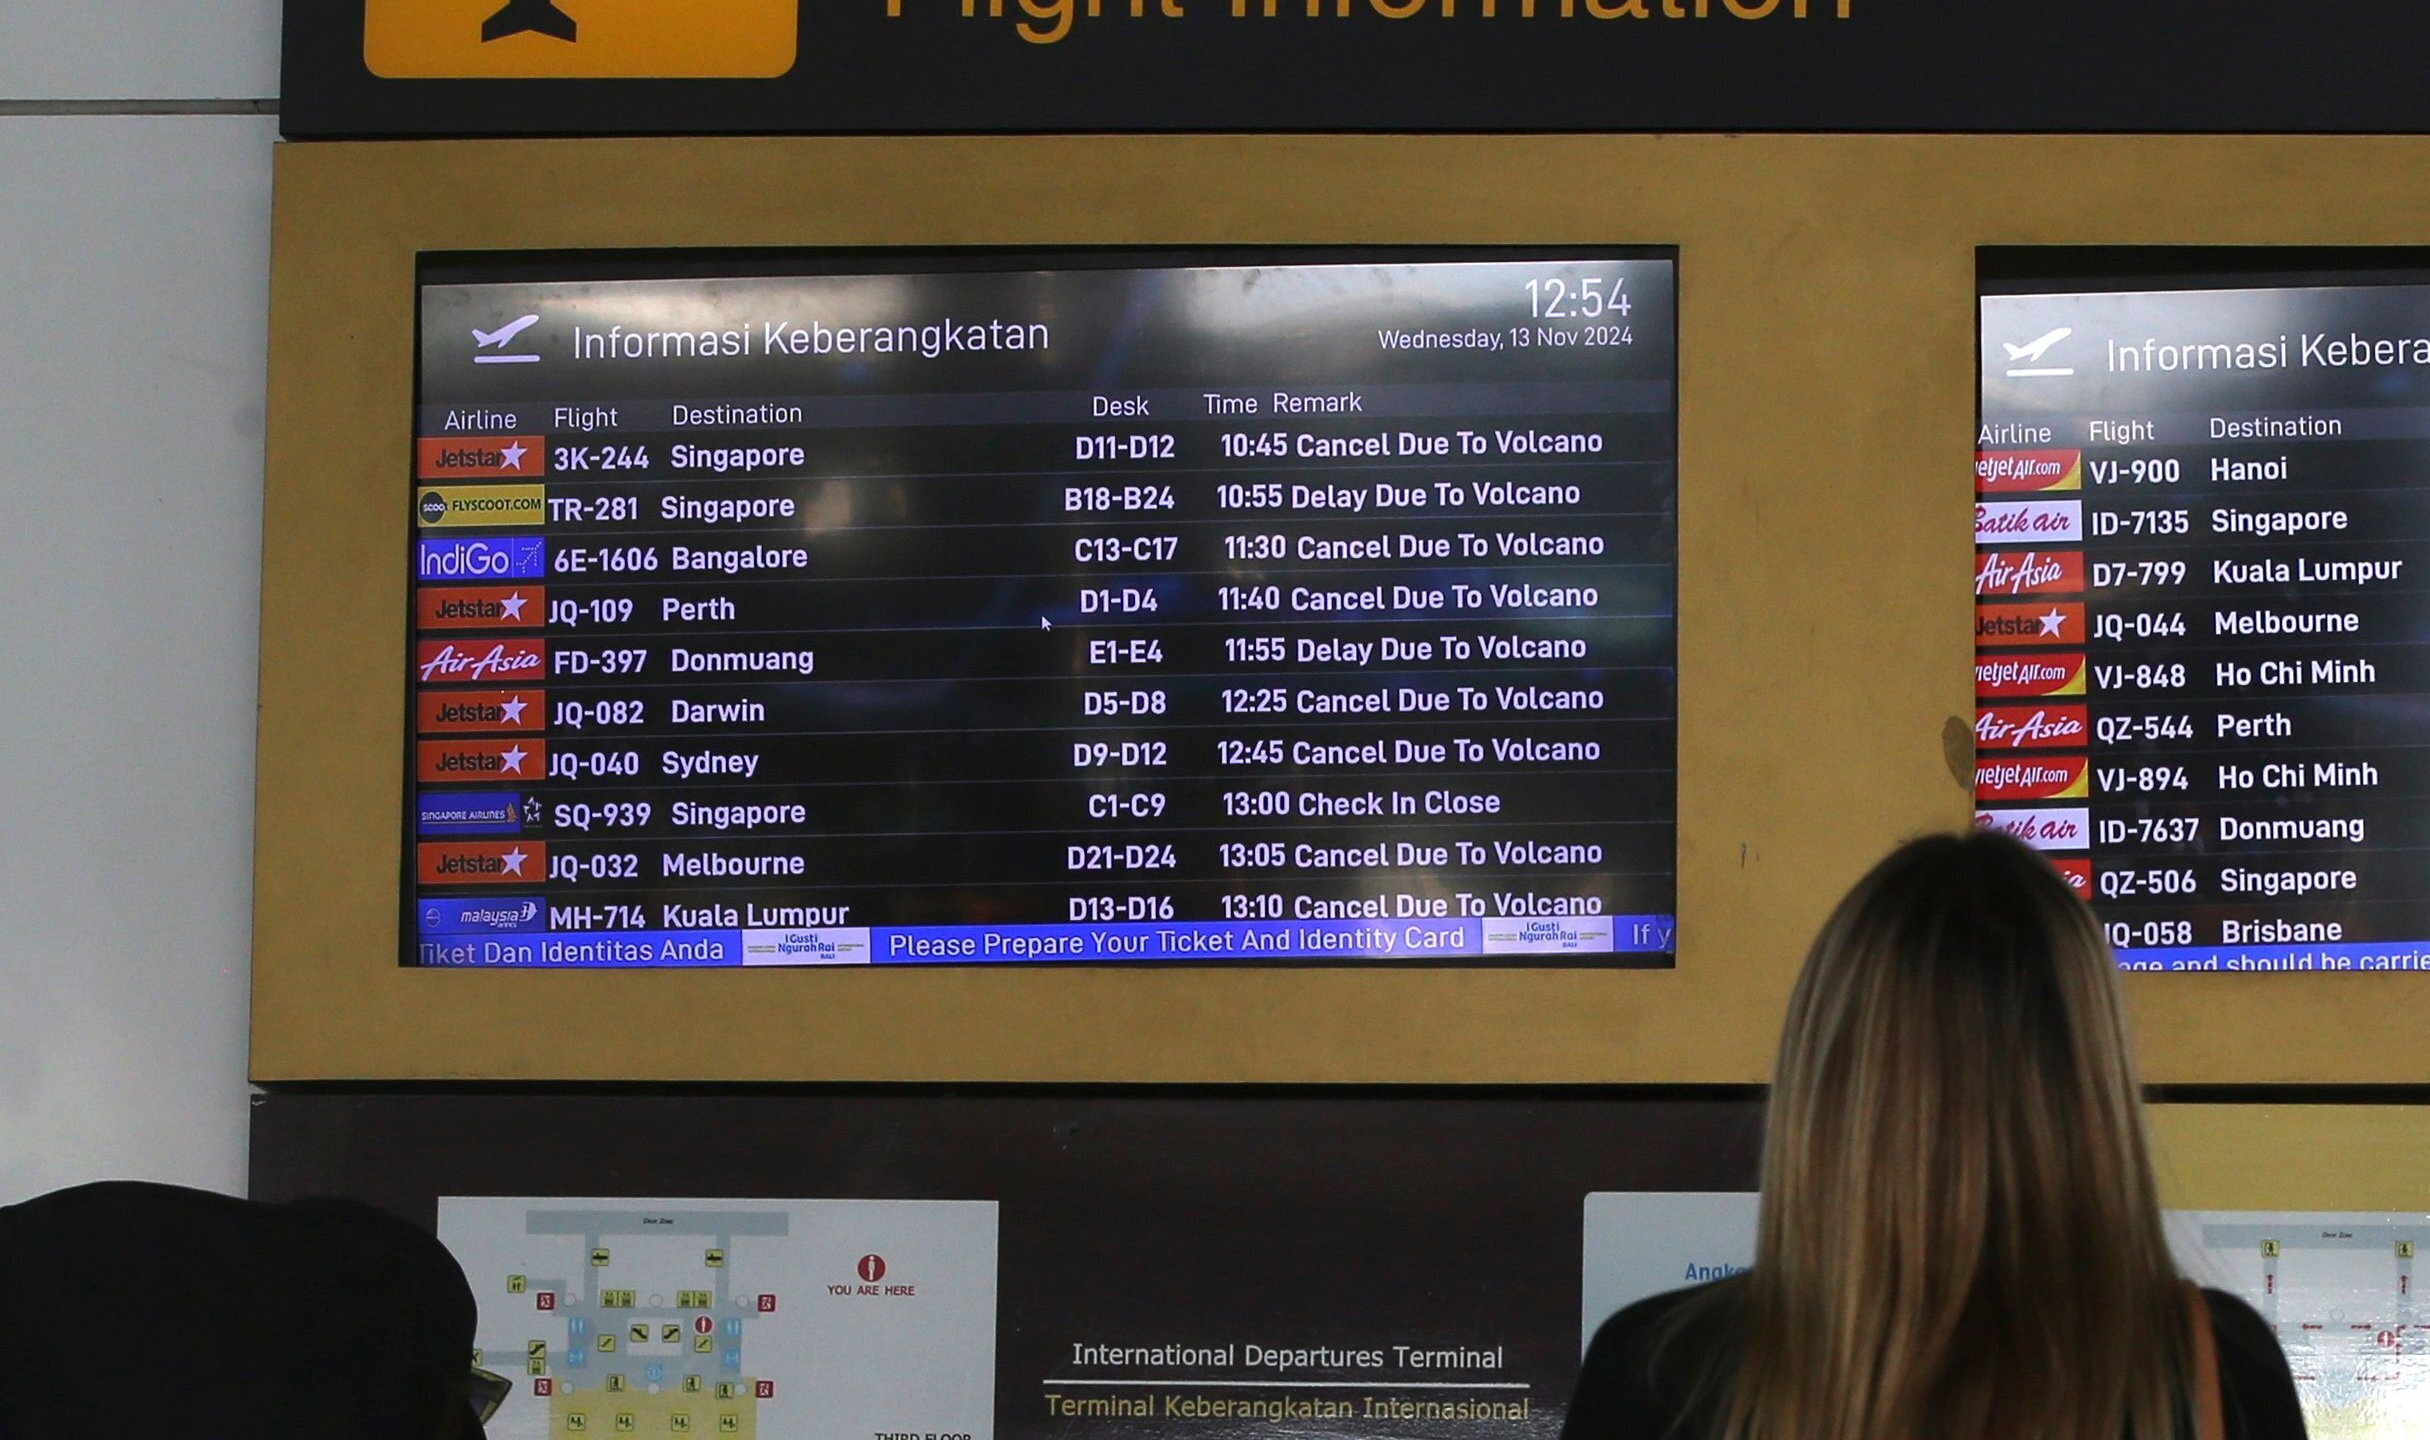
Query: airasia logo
(2027,572)
(872,1268)
(446,663)
(2017,726)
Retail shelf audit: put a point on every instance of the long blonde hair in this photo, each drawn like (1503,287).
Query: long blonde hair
(1960,1234)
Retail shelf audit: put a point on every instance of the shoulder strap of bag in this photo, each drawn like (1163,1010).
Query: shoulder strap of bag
(2209,1422)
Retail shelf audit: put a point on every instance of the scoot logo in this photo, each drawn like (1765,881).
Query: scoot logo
(562,39)
(434,507)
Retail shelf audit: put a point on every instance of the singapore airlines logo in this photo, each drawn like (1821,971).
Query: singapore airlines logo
(499,339)
(2025,360)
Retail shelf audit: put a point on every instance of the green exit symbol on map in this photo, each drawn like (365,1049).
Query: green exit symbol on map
(2269,1249)
(514,1284)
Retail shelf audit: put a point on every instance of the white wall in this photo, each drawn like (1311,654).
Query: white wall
(134,252)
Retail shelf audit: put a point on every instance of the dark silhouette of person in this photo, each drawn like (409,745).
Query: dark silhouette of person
(183,1312)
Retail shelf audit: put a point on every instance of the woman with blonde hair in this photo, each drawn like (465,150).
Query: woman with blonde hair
(1960,1234)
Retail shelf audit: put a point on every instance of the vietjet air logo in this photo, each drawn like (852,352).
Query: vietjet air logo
(2004,677)
(2060,778)
(564,39)
(2000,471)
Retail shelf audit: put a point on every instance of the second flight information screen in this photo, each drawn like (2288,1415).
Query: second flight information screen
(2203,535)
(958,612)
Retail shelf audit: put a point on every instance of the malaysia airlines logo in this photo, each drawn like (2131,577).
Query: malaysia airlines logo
(502,337)
(2025,360)
(481,917)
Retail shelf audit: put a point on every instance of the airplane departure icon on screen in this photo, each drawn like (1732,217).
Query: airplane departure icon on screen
(499,338)
(538,17)
(2031,353)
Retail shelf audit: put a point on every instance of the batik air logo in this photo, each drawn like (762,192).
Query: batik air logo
(2062,777)
(2003,573)
(2066,829)
(2028,522)
(2027,677)
(2006,471)
(473,662)
(2030,727)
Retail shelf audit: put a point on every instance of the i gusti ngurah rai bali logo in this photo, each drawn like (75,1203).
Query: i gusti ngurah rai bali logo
(576,39)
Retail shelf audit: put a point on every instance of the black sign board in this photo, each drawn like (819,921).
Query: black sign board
(399,68)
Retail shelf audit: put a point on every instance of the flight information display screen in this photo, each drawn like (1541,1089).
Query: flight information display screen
(1309,608)
(2202,640)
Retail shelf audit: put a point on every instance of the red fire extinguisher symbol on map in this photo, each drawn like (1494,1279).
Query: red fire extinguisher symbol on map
(873,1268)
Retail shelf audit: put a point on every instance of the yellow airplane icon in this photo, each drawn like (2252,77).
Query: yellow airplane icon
(568,39)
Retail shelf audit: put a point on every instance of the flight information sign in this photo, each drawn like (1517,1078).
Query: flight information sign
(1316,610)
(2202,664)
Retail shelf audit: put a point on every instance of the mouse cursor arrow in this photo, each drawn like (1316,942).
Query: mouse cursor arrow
(1045,624)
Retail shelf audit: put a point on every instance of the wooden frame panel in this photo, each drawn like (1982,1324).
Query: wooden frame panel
(1827,364)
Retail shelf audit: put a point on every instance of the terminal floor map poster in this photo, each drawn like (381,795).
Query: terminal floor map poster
(1094,1267)
(2338,1288)
(806,1319)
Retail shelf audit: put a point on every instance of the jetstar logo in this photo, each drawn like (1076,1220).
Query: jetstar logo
(481,759)
(2050,623)
(574,39)
(2029,727)
(453,662)
(2005,471)
(456,457)
(2078,875)
(2027,677)
(480,607)
(481,862)
(442,712)
(2042,829)
(2060,778)
(2028,572)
